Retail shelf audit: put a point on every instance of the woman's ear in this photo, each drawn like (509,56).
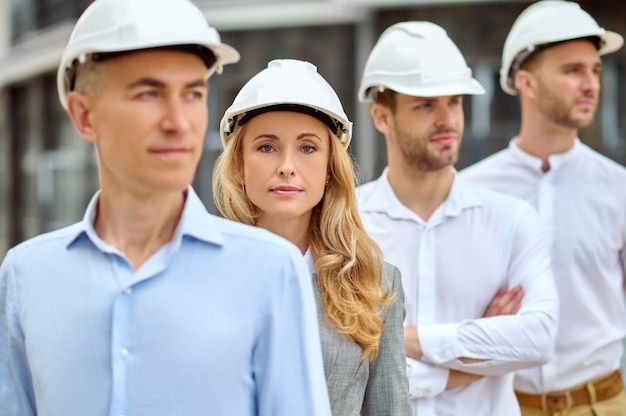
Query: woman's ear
(79,108)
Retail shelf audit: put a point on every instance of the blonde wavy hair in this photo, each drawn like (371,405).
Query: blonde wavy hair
(348,262)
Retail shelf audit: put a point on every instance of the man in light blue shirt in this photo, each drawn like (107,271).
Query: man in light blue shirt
(150,305)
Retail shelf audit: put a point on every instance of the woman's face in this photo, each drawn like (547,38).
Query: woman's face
(285,164)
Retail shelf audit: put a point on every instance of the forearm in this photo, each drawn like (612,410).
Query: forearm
(490,346)
(412,343)
(460,379)
(414,348)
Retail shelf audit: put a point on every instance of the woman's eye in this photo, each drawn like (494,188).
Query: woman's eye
(308,149)
(265,148)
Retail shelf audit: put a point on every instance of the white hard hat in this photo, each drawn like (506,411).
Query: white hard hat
(291,85)
(129,25)
(417,59)
(546,22)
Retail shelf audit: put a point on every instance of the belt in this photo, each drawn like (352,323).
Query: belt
(605,388)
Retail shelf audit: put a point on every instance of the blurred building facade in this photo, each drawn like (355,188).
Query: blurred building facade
(48,173)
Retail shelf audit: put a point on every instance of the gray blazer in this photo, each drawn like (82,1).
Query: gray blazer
(360,387)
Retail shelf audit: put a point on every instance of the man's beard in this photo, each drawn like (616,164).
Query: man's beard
(416,151)
(560,112)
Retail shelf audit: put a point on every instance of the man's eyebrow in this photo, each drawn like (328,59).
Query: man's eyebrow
(204,83)
(146,82)
(151,82)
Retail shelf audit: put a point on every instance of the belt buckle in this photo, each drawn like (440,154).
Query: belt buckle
(568,400)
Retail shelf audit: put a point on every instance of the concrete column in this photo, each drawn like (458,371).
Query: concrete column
(609,116)
(5,26)
(363,142)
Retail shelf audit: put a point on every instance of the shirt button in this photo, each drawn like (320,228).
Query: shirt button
(124,353)
(128,290)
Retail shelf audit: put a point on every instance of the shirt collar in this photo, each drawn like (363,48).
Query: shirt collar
(461,196)
(535,163)
(195,222)
(310,261)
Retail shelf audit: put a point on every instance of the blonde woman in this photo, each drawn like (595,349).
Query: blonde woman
(285,168)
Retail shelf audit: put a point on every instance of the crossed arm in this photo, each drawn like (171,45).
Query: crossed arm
(506,302)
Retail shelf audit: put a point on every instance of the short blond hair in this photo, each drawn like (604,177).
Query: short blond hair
(87,77)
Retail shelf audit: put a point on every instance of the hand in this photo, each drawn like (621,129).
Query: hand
(506,302)
(412,343)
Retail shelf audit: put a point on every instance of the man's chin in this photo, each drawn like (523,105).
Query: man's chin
(583,123)
(579,121)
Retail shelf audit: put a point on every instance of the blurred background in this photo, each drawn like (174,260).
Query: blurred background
(48,173)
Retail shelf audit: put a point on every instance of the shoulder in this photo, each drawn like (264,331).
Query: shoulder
(488,164)
(392,279)
(367,187)
(500,212)
(391,275)
(495,200)
(247,236)
(253,253)
(366,190)
(602,163)
(51,242)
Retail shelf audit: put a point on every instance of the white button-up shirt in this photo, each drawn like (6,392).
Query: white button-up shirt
(452,266)
(582,201)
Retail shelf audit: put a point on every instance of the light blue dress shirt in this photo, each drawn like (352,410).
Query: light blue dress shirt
(220,321)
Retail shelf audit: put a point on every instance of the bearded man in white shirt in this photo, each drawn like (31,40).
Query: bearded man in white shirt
(551,60)
(465,252)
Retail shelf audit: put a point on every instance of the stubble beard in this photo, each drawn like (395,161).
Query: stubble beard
(416,153)
(562,113)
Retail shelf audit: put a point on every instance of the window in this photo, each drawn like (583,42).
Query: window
(29,16)
(53,170)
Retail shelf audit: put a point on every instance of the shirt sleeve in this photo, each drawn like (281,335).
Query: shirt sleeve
(425,380)
(509,342)
(623,261)
(16,390)
(287,360)
(387,390)
(622,255)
